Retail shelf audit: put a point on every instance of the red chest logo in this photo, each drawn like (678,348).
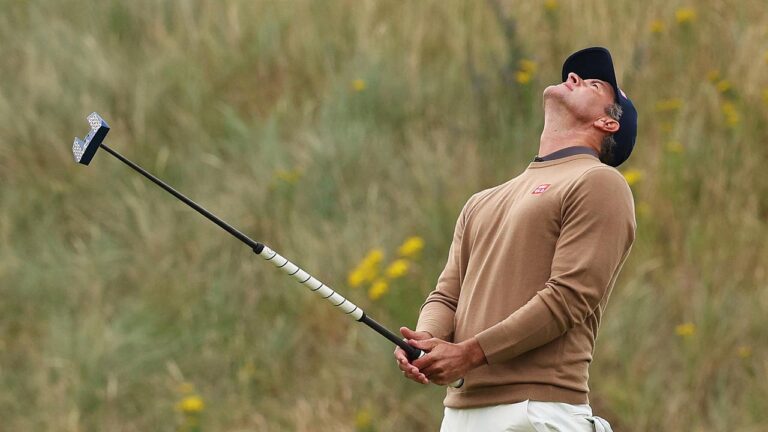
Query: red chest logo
(540,189)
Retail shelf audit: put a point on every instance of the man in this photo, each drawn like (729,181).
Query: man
(533,261)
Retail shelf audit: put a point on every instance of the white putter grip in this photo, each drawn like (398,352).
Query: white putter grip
(323,290)
(456,384)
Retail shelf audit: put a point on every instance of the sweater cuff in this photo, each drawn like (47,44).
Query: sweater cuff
(527,328)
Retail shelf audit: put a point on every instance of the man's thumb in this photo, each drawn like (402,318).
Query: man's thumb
(407,333)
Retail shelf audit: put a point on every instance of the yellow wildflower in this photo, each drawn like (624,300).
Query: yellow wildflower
(723,86)
(675,147)
(551,5)
(528,66)
(372,272)
(744,351)
(397,269)
(713,75)
(374,257)
(411,247)
(363,419)
(657,26)
(523,77)
(367,270)
(685,15)
(672,104)
(378,289)
(731,114)
(358,85)
(685,330)
(191,404)
(633,176)
(356,277)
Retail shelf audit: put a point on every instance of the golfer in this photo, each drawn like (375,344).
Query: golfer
(533,261)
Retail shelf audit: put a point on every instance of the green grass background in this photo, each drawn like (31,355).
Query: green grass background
(114,297)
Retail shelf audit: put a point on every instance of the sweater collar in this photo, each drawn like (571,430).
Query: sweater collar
(565,152)
(562,160)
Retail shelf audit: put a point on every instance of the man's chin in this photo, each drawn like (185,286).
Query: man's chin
(553,91)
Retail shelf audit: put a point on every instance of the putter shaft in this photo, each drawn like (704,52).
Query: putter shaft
(256,246)
(288,267)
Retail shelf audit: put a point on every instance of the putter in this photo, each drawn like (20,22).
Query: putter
(84,150)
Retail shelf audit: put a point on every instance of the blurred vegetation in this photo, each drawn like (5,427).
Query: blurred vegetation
(331,129)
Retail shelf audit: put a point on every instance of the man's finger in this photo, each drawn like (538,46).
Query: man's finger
(427,344)
(419,378)
(409,371)
(434,371)
(413,373)
(408,367)
(424,362)
(412,334)
(400,355)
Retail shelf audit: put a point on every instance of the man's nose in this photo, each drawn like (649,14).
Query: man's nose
(573,78)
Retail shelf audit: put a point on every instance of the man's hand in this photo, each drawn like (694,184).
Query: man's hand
(410,371)
(446,362)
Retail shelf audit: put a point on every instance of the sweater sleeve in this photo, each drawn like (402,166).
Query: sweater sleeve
(597,231)
(437,312)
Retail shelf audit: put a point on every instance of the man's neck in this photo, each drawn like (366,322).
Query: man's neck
(556,137)
(552,141)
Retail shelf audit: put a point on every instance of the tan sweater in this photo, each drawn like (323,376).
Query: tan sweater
(529,273)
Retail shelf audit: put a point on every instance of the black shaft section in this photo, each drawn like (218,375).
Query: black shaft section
(256,246)
(412,352)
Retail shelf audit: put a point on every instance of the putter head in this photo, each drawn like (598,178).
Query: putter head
(83,150)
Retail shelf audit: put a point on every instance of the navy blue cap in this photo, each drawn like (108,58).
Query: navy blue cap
(596,63)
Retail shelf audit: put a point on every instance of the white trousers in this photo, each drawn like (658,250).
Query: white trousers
(526,416)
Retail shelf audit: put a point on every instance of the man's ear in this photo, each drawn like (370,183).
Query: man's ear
(607,124)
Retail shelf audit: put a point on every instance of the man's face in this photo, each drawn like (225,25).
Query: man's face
(586,99)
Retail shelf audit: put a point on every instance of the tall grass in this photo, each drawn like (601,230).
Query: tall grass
(344,126)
